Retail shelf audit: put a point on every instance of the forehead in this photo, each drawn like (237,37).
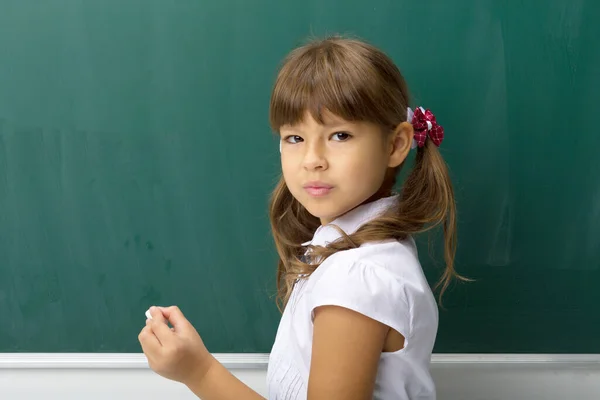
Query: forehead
(329,121)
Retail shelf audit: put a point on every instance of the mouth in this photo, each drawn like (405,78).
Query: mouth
(317,189)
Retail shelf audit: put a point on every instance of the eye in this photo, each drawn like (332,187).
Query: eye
(293,139)
(341,136)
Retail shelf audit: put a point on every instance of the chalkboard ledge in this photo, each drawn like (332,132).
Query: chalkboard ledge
(114,360)
(260,360)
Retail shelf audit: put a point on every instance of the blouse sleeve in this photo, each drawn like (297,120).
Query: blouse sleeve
(368,289)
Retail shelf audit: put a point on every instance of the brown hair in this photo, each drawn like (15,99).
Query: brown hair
(357,82)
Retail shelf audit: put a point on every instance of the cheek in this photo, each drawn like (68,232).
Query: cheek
(370,167)
(286,169)
(369,179)
(289,174)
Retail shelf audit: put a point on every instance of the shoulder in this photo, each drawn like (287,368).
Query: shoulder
(397,260)
(381,280)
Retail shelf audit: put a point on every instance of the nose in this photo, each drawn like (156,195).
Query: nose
(314,158)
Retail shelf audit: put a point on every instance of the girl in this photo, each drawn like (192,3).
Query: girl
(359,319)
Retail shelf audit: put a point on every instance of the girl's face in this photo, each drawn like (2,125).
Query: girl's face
(333,167)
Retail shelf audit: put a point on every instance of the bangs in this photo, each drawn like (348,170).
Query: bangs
(330,77)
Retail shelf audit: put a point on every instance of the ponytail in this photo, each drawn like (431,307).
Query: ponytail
(428,202)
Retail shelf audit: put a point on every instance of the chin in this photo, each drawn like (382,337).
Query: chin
(323,211)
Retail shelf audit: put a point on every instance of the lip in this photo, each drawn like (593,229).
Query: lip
(317,188)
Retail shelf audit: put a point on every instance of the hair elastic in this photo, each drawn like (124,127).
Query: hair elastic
(425,125)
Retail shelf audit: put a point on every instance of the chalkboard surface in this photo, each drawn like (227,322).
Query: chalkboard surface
(136,162)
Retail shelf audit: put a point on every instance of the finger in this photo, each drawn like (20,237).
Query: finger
(155,327)
(157,314)
(162,332)
(174,315)
(149,341)
(159,326)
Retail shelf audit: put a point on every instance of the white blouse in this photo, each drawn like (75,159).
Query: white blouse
(383,281)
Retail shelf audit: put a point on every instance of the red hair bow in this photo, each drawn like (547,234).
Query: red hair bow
(424,124)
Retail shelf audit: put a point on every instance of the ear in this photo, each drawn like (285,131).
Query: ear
(400,144)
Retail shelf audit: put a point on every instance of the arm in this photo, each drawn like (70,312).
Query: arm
(219,384)
(179,354)
(345,354)
(346,349)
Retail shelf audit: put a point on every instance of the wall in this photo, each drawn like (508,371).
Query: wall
(126,377)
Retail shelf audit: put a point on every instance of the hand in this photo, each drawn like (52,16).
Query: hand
(176,353)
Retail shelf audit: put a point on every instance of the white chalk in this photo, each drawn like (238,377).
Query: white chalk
(148,314)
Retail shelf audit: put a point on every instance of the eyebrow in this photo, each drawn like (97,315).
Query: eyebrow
(328,126)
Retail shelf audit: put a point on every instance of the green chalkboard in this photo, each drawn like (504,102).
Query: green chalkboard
(136,162)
